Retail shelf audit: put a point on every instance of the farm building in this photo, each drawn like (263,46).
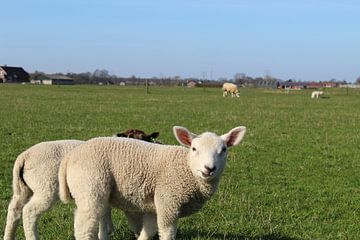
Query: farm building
(53,80)
(13,75)
(331,84)
(191,84)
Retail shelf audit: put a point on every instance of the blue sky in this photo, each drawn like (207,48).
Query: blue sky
(301,39)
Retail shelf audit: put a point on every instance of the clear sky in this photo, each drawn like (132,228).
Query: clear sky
(300,39)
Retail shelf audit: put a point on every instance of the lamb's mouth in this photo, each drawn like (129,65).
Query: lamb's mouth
(207,174)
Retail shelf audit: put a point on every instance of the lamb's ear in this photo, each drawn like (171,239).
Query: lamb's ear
(153,135)
(183,135)
(121,135)
(234,136)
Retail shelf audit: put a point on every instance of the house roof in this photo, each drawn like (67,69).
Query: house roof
(58,77)
(52,77)
(16,72)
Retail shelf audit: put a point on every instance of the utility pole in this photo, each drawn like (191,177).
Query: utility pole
(203,81)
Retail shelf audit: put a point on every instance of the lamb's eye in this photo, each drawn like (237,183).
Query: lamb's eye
(223,150)
(194,149)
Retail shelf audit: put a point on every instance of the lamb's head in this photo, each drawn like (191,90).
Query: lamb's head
(139,134)
(208,151)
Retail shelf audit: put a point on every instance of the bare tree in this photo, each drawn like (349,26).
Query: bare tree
(358,80)
(37,74)
(101,73)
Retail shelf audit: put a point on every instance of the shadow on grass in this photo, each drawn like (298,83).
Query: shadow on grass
(184,234)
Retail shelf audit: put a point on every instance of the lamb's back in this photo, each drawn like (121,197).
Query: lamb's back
(42,161)
(136,167)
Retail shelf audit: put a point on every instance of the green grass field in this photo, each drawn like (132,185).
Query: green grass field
(296,175)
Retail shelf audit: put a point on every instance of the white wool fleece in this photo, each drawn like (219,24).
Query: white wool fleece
(153,184)
(35,185)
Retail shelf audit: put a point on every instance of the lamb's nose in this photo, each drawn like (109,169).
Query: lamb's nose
(211,170)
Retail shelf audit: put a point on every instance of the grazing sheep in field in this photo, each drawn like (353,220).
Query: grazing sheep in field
(153,184)
(316,94)
(230,88)
(35,183)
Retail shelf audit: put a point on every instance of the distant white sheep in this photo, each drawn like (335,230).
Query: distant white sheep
(153,184)
(230,88)
(316,94)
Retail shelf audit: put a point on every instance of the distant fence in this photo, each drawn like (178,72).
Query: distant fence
(349,86)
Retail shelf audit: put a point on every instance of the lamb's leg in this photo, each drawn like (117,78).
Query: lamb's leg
(149,228)
(105,224)
(87,219)
(135,222)
(108,221)
(166,210)
(167,230)
(15,208)
(37,205)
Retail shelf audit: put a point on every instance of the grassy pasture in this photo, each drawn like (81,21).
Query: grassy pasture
(296,175)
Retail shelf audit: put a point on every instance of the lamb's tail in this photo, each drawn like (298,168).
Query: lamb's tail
(64,191)
(19,185)
(21,195)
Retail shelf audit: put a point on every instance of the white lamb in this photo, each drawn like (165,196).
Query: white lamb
(35,185)
(316,94)
(230,88)
(153,184)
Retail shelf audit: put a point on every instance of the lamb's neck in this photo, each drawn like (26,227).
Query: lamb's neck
(208,188)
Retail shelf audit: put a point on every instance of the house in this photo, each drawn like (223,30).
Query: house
(152,83)
(13,75)
(331,84)
(313,85)
(292,85)
(53,80)
(191,84)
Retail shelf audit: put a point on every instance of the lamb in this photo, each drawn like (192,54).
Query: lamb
(230,88)
(138,134)
(316,94)
(35,183)
(153,184)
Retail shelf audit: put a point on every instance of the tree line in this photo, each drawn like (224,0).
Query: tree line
(102,76)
